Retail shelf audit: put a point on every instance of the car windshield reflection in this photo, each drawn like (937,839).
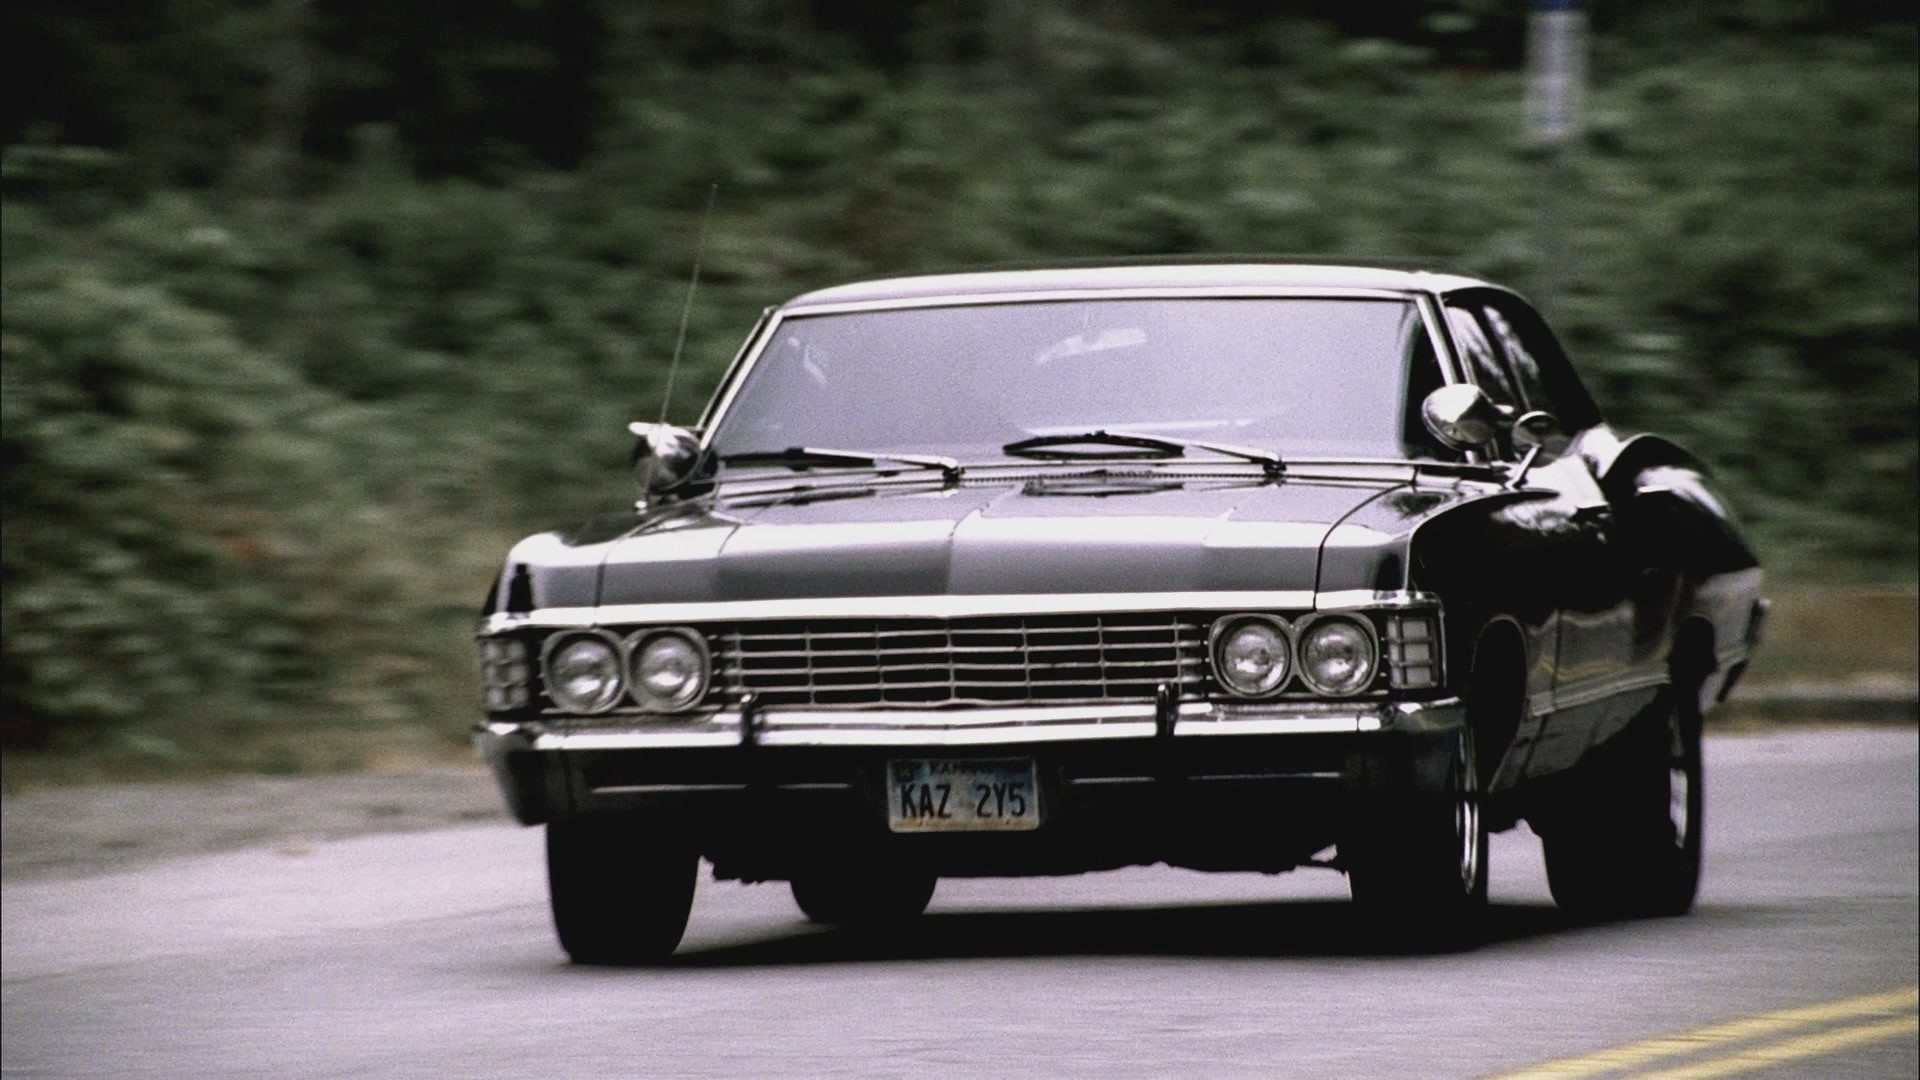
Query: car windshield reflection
(1259,378)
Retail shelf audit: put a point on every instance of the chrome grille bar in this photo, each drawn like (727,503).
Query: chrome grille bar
(974,660)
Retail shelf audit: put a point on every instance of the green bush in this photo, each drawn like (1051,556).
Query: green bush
(263,454)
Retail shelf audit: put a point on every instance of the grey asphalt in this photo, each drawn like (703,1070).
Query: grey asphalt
(428,954)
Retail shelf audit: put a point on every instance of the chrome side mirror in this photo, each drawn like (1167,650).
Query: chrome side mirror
(1461,416)
(1539,434)
(665,458)
(1540,429)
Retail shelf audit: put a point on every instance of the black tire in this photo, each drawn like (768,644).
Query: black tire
(620,894)
(1635,851)
(862,896)
(1419,864)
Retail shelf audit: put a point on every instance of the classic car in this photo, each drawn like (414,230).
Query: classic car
(1235,566)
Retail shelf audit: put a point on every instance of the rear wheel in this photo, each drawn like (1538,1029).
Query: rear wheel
(862,895)
(1420,864)
(1636,849)
(620,892)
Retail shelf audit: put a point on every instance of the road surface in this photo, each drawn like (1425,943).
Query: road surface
(429,954)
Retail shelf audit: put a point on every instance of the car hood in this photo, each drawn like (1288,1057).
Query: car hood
(1058,535)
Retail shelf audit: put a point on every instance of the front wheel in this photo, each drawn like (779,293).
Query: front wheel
(1420,862)
(1637,849)
(621,892)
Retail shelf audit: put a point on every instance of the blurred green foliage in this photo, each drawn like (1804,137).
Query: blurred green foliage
(311,308)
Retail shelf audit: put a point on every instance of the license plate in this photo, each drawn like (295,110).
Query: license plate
(948,795)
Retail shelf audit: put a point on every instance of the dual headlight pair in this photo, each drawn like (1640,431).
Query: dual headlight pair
(661,670)
(1255,656)
(669,669)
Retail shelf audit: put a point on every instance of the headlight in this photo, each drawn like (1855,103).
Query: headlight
(1337,656)
(1252,655)
(583,673)
(669,669)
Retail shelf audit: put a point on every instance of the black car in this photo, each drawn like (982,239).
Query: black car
(1231,566)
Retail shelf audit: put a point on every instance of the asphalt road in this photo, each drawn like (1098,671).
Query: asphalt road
(429,954)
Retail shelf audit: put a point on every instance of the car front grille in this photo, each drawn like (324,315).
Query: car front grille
(992,660)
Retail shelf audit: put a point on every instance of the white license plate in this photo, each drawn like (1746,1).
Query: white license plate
(957,795)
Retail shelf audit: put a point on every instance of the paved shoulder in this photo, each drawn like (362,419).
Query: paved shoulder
(79,831)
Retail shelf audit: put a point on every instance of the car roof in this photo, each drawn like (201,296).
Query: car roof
(1226,275)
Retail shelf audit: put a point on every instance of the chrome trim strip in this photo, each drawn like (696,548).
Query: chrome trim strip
(943,720)
(1010,734)
(1012,726)
(1600,688)
(1054,296)
(1090,781)
(736,374)
(1451,370)
(1342,724)
(950,606)
(755,341)
(1374,599)
(658,789)
(1270,776)
(634,739)
(750,490)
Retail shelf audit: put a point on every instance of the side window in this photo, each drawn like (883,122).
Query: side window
(1423,378)
(1540,366)
(1526,371)
(1478,355)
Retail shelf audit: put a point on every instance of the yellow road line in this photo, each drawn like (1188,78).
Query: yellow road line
(1760,1057)
(1706,1038)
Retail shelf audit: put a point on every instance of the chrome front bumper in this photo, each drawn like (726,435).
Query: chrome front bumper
(521,751)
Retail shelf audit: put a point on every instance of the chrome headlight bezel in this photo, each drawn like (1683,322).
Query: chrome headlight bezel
(1413,648)
(644,643)
(506,674)
(553,653)
(1331,622)
(1220,635)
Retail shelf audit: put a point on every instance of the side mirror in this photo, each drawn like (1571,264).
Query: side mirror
(1461,416)
(665,458)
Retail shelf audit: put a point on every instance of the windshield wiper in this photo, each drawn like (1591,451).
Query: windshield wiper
(808,457)
(1129,445)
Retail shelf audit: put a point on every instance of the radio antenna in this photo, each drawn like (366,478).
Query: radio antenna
(686,310)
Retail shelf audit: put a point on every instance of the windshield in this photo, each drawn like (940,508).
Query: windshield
(1304,377)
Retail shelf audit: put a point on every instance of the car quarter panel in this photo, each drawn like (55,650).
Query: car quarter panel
(1684,530)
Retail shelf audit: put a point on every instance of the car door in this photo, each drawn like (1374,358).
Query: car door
(1613,636)
(1523,536)
(1575,531)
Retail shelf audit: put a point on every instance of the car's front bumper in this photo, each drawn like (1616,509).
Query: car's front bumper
(1200,784)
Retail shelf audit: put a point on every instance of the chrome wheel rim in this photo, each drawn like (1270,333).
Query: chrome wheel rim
(1679,808)
(1679,786)
(1466,813)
